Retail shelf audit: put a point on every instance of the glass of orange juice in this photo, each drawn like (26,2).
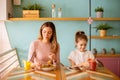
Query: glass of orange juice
(27,65)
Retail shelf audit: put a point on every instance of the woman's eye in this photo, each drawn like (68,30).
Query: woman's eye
(44,31)
(49,32)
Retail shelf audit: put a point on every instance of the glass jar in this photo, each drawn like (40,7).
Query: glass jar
(59,12)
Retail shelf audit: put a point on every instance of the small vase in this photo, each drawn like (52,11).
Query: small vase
(103,33)
(53,11)
(104,51)
(59,12)
(94,51)
(99,14)
(112,51)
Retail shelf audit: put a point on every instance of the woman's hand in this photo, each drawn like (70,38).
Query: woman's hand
(36,64)
(52,56)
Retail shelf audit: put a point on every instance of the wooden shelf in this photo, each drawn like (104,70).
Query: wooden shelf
(106,37)
(107,55)
(68,19)
(106,19)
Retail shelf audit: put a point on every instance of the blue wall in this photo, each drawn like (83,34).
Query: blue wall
(21,33)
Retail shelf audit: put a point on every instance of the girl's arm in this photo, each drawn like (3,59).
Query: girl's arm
(72,62)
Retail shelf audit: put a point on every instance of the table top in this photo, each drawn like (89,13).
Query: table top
(61,73)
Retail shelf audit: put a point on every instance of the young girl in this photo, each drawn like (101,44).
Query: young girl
(45,48)
(79,57)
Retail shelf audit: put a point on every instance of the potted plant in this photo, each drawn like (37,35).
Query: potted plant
(99,12)
(103,27)
(32,10)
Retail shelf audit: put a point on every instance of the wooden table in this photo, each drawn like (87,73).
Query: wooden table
(61,73)
(21,74)
(101,73)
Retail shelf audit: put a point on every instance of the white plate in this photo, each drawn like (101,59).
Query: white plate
(48,68)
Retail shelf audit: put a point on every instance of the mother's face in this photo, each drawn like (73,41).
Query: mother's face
(47,33)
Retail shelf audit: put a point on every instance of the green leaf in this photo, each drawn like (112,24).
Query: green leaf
(103,26)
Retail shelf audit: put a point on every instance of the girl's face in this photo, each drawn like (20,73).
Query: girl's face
(81,45)
(47,33)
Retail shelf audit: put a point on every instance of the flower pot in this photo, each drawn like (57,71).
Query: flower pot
(31,14)
(103,33)
(99,14)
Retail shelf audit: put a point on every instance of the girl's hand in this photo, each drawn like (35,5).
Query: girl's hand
(84,64)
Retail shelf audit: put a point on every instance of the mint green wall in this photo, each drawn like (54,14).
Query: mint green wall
(21,33)
(73,8)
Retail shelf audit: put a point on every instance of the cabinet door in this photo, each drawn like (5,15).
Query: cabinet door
(112,64)
(6,7)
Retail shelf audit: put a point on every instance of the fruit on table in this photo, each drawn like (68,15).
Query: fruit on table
(49,62)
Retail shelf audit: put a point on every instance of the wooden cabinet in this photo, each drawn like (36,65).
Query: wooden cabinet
(112,63)
(5,9)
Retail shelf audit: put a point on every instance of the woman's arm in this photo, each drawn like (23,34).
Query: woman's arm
(31,54)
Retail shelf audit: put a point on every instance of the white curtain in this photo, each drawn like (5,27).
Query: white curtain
(4,40)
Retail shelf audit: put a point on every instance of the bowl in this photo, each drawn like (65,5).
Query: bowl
(47,68)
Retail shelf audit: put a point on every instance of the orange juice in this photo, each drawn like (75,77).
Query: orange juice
(27,77)
(27,65)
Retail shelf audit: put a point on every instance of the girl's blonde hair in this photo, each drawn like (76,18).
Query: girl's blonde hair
(53,40)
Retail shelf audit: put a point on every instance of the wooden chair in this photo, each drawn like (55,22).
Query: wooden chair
(8,61)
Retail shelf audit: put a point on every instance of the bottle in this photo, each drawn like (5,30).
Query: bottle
(104,51)
(112,51)
(59,13)
(94,51)
(53,11)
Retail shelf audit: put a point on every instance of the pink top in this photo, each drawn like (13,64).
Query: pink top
(39,52)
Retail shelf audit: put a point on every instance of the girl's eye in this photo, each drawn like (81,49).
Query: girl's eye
(82,44)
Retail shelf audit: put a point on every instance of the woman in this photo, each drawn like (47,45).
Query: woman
(46,47)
